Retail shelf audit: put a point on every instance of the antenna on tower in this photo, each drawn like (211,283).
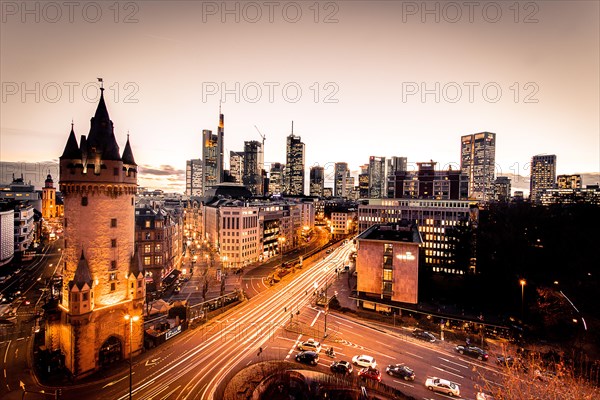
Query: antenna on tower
(101,83)
(292,127)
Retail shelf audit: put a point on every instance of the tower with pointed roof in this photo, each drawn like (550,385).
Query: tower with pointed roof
(49,209)
(103,277)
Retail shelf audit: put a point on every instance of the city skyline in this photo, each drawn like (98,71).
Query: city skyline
(391,100)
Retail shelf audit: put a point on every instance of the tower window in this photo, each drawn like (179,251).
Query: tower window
(113,287)
(113,223)
(115,171)
(113,276)
(84,201)
(84,296)
(113,264)
(113,243)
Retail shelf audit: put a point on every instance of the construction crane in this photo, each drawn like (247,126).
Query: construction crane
(262,136)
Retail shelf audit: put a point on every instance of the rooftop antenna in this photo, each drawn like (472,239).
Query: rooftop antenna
(101,83)
(292,127)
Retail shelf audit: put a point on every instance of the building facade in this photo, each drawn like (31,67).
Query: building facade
(193,177)
(236,165)
(543,176)
(588,195)
(212,155)
(102,273)
(377,177)
(569,181)
(502,189)
(277,178)
(49,209)
(478,162)
(434,218)
(294,167)
(428,183)
(7,233)
(340,176)
(387,262)
(317,181)
(252,176)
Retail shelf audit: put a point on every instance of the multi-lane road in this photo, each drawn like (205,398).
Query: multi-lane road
(199,363)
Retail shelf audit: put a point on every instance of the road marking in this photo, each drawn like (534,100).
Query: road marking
(117,381)
(170,393)
(448,372)
(453,369)
(414,355)
(154,361)
(316,317)
(403,383)
(385,344)
(452,362)
(5,354)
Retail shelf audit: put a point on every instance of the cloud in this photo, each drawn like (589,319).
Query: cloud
(163,170)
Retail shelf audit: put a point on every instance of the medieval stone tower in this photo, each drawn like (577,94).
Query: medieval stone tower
(103,278)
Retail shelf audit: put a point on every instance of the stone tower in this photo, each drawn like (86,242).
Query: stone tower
(49,199)
(103,278)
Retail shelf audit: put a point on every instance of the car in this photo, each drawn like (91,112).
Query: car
(310,344)
(484,396)
(177,290)
(364,361)
(307,357)
(442,386)
(400,371)
(423,335)
(473,351)
(341,367)
(370,373)
(506,361)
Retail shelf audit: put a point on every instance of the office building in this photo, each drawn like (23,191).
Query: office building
(212,155)
(236,166)
(543,176)
(277,178)
(340,175)
(193,178)
(428,183)
(252,176)
(569,181)
(317,181)
(377,177)
(434,218)
(502,189)
(387,264)
(477,161)
(294,167)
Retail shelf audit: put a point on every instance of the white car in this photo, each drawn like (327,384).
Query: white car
(364,361)
(442,386)
(310,344)
(483,396)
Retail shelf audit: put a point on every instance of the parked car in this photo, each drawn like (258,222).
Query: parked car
(341,367)
(424,335)
(310,344)
(364,361)
(401,371)
(307,357)
(484,396)
(473,351)
(442,386)
(370,373)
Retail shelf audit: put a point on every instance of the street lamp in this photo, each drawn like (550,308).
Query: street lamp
(522,282)
(131,319)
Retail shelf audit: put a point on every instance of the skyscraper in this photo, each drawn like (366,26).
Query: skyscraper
(103,276)
(502,189)
(396,164)
(193,177)
(317,181)
(543,176)
(212,155)
(276,178)
(252,176)
(377,177)
(294,168)
(363,182)
(478,158)
(340,174)
(236,165)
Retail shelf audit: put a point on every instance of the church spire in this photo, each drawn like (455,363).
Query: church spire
(102,136)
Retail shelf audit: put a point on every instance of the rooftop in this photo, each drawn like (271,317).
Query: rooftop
(403,231)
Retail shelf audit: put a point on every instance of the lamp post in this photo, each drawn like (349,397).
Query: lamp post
(522,282)
(131,319)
